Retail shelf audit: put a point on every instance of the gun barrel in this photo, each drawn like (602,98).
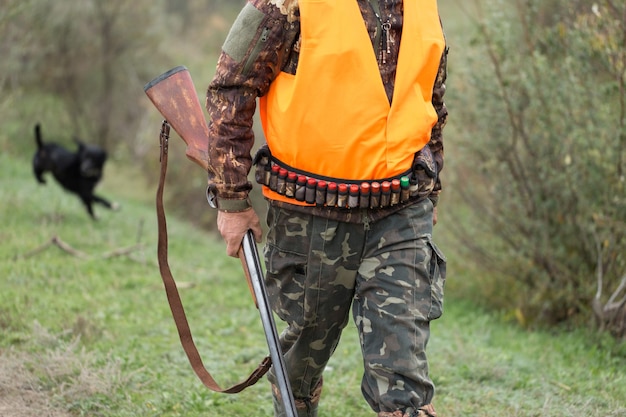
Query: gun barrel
(253,265)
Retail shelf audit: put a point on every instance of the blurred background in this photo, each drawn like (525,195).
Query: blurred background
(533,214)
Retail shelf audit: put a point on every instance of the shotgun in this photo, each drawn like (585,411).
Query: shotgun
(174,96)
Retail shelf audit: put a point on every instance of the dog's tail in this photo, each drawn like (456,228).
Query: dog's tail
(38,137)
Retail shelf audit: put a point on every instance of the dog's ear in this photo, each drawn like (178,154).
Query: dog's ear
(38,137)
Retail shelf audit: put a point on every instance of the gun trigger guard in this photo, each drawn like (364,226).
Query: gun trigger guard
(211,197)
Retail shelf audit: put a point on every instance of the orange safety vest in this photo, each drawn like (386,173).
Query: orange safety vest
(332,118)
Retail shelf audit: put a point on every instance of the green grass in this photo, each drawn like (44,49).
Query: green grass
(95,335)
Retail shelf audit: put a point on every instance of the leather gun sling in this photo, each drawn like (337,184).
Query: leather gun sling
(173,297)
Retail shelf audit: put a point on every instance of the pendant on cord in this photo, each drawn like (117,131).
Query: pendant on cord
(385,37)
(385,41)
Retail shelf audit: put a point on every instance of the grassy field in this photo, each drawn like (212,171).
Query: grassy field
(85,328)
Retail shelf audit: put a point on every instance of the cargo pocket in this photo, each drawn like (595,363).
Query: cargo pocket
(437,282)
(286,268)
(285,282)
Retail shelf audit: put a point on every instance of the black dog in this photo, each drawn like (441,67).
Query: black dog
(78,172)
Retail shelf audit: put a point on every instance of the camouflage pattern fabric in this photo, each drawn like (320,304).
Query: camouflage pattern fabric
(389,273)
(426,411)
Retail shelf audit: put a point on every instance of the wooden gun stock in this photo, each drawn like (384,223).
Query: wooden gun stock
(175,97)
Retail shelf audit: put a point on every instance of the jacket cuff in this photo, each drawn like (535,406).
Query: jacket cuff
(232,206)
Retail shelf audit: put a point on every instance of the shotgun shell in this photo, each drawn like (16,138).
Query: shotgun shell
(342,195)
(353,196)
(290,188)
(300,188)
(267,174)
(395,192)
(331,194)
(281,183)
(274,177)
(404,189)
(320,192)
(414,186)
(374,195)
(311,185)
(385,195)
(364,199)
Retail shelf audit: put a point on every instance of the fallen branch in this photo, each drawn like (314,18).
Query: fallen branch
(122,251)
(54,241)
(66,247)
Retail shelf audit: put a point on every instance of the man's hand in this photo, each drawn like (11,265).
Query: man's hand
(434,215)
(234,225)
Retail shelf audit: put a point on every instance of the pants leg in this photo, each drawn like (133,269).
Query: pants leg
(399,291)
(311,267)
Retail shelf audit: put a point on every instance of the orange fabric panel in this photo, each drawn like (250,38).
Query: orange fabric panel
(338,82)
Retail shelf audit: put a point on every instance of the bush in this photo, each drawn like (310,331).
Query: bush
(545,133)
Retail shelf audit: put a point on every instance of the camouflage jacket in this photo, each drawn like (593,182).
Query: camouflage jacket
(263,41)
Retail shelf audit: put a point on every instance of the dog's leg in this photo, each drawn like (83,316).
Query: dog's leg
(87,202)
(106,203)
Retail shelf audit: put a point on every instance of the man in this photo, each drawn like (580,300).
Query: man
(351,101)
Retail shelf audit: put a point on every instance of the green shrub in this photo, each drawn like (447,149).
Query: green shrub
(545,137)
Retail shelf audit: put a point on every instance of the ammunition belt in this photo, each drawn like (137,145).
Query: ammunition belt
(329,192)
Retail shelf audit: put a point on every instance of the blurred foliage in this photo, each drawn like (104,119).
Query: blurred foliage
(537,121)
(87,58)
(543,173)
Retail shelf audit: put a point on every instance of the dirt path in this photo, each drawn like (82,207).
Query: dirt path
(20,392)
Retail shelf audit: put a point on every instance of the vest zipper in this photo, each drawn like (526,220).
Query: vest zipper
(257,49)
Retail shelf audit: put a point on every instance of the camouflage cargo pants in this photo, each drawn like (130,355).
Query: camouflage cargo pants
(389,272)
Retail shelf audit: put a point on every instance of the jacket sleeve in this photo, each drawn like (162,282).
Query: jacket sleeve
(436,137)
(251,57)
